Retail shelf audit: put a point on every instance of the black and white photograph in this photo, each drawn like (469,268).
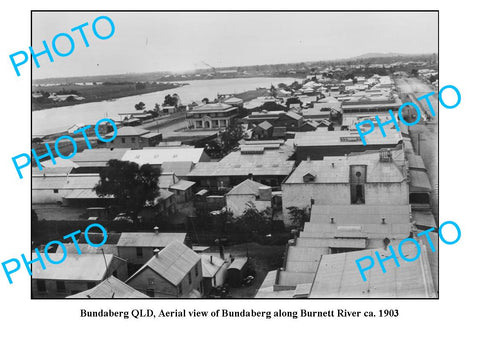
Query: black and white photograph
(234,154)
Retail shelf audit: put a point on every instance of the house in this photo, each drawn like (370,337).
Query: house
(212,116)
(290,120)
(181,188)
(214,270)
(69,189)
(137,248)
(133,137)
(77,273)
(110,288)
(248,194)
(262,131)
(174,272)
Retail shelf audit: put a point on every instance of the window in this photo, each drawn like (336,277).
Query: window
(189,278)
(150,292)
(41,286)
(133,139)
(198,124)
(123,140)
(139,252)
(350,139)
(90,285)
(61,286)
(55,191)
(196,270)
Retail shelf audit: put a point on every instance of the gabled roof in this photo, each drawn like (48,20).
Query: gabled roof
(76,267)
(211,265)
(150,240)
(247,187)
(166,154)
(265,125)
(172,263)
(182,185)
(110,288)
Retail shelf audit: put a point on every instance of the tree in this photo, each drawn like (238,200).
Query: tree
(140,106)
(170,100)
(205,100)
(231,136)
(131,186)
(273,91)
(254,221)
(298,216)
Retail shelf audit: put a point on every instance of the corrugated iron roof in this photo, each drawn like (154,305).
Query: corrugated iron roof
(172,263)
(110,288)
(84,267)
(167,154)
(338,276)
(151,240)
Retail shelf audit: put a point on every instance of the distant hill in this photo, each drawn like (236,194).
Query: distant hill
(378,55)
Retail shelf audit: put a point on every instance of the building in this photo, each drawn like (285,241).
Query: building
(263,161)
(248,194)
(133,137)
(262,130)
(93,160)
(174,272)
(212,116)
(214,270)
(289,120)
(70,189)
(318,144)
(159,155)
(110,288)
(77,273)
(370,178)
(137,248)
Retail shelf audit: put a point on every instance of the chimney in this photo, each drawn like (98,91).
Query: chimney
(333,165)
(155,252)
(332,220)
(383,220)
(250,176)
(156,230)
(386,242)
(211,259)
(308,158)
(222,254)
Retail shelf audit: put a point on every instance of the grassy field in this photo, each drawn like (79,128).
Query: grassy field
(96,93)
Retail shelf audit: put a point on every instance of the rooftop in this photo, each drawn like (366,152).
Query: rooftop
(337,169)
(247,187)
(168,154)
(172,263)
(338,276)
(150,240)
(330,138)
(110,288)
(76,267)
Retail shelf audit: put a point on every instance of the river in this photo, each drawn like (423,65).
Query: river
(61,118)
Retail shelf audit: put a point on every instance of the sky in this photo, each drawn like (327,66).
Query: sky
(181,41)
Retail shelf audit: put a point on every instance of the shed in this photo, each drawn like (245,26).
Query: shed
(236,271)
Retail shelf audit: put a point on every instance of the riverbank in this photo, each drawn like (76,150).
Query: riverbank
(97,93)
